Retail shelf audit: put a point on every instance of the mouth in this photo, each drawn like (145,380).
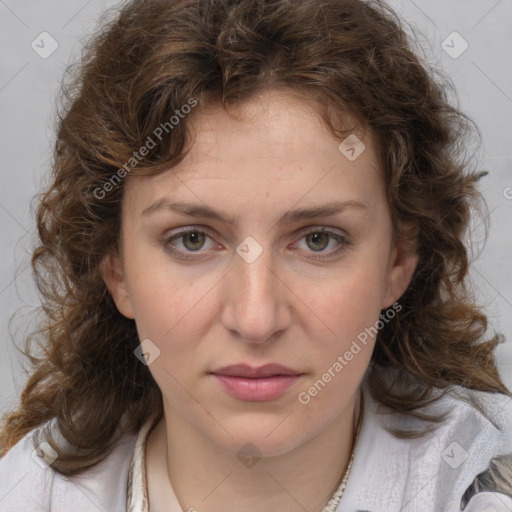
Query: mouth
(256,384)
(249,372)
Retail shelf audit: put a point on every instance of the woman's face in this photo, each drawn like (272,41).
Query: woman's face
(265,285)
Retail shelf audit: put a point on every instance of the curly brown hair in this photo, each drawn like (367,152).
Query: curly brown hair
(142,66)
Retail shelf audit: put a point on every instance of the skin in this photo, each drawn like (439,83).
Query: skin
(287,306)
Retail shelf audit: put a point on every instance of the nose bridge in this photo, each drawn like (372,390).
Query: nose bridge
(255,307)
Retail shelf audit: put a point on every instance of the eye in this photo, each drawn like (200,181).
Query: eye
(185,243)
(320,238)
(191,240)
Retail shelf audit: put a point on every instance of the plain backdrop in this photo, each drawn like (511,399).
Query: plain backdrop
(469,40)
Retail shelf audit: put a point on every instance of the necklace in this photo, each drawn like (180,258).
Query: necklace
(336,497)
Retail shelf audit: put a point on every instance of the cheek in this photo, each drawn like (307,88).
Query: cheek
(166,309)
(350,302)
(349,308)
(159,296)
(172,308)
(171,315)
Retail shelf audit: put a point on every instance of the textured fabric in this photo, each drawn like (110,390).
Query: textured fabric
(431,473)
(27,484)
(428,474)
(489,502)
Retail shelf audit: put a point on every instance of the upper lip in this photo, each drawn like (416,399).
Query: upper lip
(244,370)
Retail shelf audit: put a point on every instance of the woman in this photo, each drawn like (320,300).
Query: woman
(253,271)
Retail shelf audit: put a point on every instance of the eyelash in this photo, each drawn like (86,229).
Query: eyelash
(343,242)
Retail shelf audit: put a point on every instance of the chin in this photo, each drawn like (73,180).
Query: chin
(269,437)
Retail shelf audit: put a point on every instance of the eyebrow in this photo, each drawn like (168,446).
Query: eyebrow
(198,210)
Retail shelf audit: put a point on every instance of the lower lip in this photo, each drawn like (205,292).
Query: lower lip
(257,390)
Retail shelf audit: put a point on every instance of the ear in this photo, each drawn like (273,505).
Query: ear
(111,270)
(403,262)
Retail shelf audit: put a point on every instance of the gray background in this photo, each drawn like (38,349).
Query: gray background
(29,85)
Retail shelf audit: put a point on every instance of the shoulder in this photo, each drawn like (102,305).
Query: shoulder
(469,418)
(491,501)
(479,454)
(28,482)
(25,479)
(475,424)
(476,432)
(490,410)
(429,472)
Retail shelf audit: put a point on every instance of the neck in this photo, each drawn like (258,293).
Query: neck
(206,477)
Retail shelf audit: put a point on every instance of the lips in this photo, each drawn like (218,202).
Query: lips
(246,371)
(250,384)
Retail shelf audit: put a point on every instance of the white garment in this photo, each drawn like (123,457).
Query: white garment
(431,473)
(428,474)
(489,502)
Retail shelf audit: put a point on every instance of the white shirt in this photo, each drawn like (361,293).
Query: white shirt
(427,474)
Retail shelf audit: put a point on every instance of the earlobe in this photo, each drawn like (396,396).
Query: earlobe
(401,273)
(113,276)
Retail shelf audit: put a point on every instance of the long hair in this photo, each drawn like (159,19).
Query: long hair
(142,67)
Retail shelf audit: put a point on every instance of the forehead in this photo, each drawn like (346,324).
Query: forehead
(275,146)
(273,126)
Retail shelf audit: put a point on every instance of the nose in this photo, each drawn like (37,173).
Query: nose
(255,306)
